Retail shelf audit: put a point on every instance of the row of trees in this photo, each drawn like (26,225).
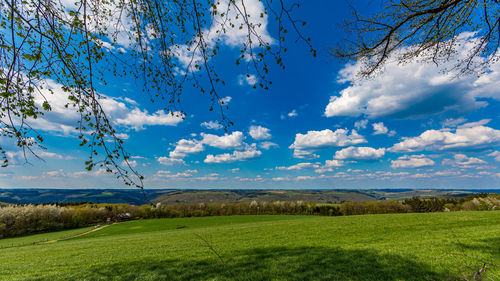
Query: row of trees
(16,220)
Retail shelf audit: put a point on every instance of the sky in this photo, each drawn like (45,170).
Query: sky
(317,127)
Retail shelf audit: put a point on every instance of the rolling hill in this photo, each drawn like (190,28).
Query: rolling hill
(433,246)
(171,196)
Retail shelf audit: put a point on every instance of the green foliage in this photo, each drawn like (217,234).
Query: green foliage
(67,48)
(433,246)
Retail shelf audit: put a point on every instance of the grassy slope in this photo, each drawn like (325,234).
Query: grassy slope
(372,247)
(37,238)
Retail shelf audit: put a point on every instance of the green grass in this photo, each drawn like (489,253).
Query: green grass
(37,238)
(435,246)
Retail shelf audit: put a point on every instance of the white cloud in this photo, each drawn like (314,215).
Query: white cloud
(293,113)
(167,161)
(225,100)
(329,165)
(495,154)
(462,161)
(334,163)
(58,173)
(123,136)
(474,124)
(304,144)
(132,163)
(248,79)
(259,133)
(179,175)
(213,125)
(266,145)
(380,129)
(184,147)
(414,89)
(63,119)
(412,161)
(453,122)
(249,153)
(298,166)
(16,157)
(234,140)
(303,178)
(465,138)
(361,124)
(138,118)
(232,32)
(360,153)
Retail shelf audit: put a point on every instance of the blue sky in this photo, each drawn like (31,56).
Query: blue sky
(318,126)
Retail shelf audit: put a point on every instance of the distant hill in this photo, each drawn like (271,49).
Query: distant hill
(37,196)
(169,196)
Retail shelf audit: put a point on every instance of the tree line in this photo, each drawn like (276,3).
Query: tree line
(17,220)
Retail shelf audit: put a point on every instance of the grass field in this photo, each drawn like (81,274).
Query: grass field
(40,238)
(434,246)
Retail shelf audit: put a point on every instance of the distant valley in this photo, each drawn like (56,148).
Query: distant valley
(171,196)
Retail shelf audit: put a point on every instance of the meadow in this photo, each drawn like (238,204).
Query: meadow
(412,246)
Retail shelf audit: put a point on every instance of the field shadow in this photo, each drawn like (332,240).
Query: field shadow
(275,263)
(490,246)
(474,256)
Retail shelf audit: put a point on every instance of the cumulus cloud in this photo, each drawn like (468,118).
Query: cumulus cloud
(138,118)
(248,79)
(167,161)
(361,124)
(415,89)
(184,147)
(259,133)
(360,153)
(233,140)
(213,125)
(305,144)
(380,129)
(132,163)
(249,153)
(298,166)
(462,161)
(329,165)
(63,119)
(462,138)
(412,161)
(318,167)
